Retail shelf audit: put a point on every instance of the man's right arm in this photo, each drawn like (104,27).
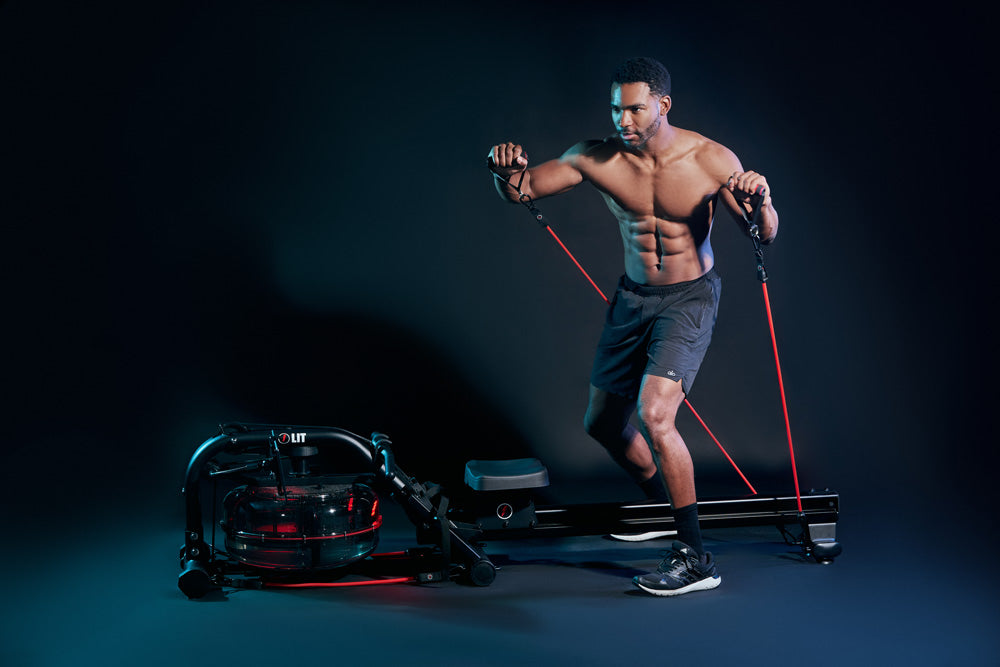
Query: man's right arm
(509,164)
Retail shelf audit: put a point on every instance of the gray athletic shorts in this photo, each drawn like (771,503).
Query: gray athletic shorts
(656,330)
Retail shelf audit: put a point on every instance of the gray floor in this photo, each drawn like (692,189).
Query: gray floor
(896,596)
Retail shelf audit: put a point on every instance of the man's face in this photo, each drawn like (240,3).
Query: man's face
(635,111)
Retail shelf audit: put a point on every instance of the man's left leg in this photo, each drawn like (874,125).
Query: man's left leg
(688,567)
(659,400)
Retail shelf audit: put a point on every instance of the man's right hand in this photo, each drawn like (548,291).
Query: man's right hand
(507,159)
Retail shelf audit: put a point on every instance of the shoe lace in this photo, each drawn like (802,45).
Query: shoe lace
(673,564)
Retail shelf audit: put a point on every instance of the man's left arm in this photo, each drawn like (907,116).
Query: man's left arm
(744,184)
(738,186)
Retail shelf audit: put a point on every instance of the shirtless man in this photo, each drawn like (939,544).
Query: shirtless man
(664,185)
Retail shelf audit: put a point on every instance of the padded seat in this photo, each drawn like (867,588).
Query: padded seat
(506,475)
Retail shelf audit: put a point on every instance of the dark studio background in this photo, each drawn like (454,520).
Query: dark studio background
(279,211)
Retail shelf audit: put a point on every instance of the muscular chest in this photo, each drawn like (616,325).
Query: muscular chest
(676,191)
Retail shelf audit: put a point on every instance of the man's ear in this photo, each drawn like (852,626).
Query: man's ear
(665,105)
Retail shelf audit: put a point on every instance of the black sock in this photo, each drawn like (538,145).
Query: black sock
(655,489)
(688,530)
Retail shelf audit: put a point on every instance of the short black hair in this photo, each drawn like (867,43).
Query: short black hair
(644,70)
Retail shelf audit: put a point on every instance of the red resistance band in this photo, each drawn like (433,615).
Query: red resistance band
(753,231)
(784,403)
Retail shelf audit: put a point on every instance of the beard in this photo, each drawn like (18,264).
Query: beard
(643,136)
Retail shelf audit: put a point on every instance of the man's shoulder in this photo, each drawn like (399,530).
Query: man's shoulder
(710,154)
(598,150)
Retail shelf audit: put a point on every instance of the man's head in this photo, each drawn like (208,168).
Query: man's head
(640,100)
(644,70)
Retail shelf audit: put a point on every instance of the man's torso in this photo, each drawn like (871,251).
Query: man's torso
(664,204)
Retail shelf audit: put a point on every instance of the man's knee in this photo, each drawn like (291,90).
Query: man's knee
(602,425)
(656,418)
(658,403)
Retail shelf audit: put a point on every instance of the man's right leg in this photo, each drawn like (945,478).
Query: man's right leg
(607,421)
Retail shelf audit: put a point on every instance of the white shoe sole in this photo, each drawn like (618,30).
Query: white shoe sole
(642,537)
(703,585)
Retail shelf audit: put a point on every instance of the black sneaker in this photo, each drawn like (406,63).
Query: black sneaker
(682,571)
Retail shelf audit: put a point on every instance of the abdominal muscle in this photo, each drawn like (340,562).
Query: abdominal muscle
(662,252)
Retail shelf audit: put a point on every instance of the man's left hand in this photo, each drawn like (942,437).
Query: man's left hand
(743,184)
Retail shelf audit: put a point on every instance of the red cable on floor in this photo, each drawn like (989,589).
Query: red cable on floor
(343,584)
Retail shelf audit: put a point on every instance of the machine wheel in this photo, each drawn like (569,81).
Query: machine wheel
(194,581)
(825,552)
(482,573)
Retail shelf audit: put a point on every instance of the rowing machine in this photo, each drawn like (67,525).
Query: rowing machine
(286,517)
